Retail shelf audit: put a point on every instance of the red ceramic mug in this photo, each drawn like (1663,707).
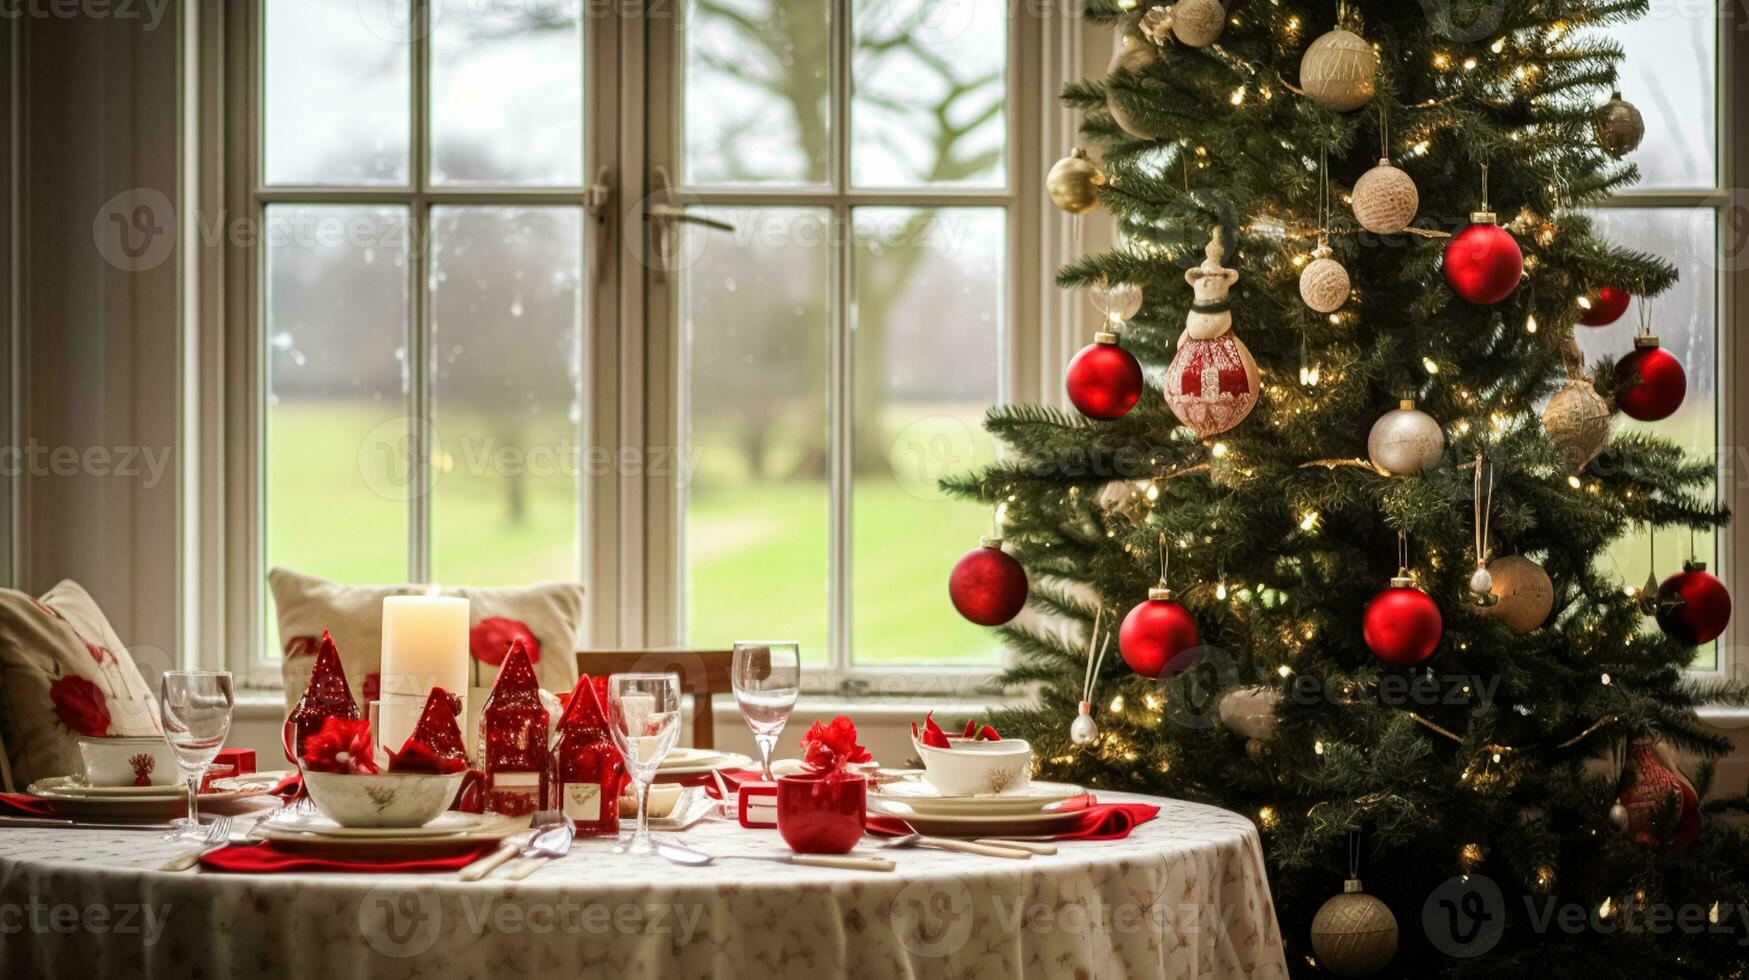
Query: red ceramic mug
(821,814)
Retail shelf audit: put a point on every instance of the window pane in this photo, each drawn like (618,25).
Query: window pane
(1671,74)
(337,92)
(930,341)
(930,89)
(756,85)
(754,321)
(506,93)
(337,476)
(506,352)
(1685,321)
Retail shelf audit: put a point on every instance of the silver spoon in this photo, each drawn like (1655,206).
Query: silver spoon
(696,859)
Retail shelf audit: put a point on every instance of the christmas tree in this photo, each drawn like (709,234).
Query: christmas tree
(1382,483)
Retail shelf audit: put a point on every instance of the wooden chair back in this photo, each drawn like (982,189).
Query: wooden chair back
(702,674)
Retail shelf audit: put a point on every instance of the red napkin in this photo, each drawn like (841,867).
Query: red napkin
(269,859)
(289,786)
(25,805)
(1097,821)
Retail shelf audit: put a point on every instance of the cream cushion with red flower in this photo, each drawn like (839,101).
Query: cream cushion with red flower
(547,616)
(63,673)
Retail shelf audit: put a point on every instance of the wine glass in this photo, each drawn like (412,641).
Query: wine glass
(644,715)
(196,708)
(766,677)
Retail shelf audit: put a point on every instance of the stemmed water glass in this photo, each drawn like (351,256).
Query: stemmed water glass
(195,706)
(643,712)
(766,677)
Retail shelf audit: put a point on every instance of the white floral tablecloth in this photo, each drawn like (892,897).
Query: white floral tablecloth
(1184,896)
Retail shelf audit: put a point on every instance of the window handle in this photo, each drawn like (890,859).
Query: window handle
(666,218)
(597,198)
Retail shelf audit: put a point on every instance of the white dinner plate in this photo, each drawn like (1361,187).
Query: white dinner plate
(72,798)
(491,827)
(719,760)
(991,825)
(923,797)
(445,824)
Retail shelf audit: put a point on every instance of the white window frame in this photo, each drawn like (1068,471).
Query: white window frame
(225,604)
(1045,47)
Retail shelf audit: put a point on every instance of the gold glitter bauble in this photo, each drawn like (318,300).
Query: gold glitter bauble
(1619,127)
(1074,183)
(1385,199)
(1577,421)
(1198,23)
(1339,71)
(1525,591)
(1354,934)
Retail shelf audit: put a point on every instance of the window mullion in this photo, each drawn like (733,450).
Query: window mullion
(841,352)
(419,314)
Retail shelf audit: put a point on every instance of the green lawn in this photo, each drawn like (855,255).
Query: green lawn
(758,550)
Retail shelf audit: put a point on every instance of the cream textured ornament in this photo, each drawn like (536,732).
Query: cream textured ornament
(1198,23)
(1386,199)
(1131,52)
(1577,421)
(1619,127)
(1526,593)
(1405,441)
(1354,934)
(1324,282)
(1212,383)
(1118,301)
(1339,70)
(1074,183)
(1250,711)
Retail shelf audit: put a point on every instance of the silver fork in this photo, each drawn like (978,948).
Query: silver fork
(218,834)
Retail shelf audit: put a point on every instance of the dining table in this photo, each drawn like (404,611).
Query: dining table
(1182,896)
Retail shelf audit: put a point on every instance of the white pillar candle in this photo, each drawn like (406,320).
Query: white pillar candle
(425,646)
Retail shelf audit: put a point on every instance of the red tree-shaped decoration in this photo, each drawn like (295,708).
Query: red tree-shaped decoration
(325,697)
(513,736)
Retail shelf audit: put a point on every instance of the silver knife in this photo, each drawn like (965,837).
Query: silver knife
(64,823)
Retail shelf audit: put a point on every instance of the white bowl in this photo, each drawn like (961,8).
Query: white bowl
(386,799)
(974,768)
(129,760)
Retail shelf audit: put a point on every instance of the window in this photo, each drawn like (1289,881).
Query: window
(420,350)
(1681,212)
(842,329)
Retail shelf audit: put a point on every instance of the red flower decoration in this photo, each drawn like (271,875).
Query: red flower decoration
(932,734)
(418,757)
(340,746)
(80,705)
(830,746)
(490,641)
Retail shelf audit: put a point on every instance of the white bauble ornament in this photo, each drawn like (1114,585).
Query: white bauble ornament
(1339,70)
(1324,284)
(1118,301)
(1619,816)
(1525,591)
(1212,385)
(1131,53)
(1083,730)
(1354,934)
(1577,421)
(1481,583)
(1250,711)
(1074,183)
(1405,441)
(1386,199)
(1198,23)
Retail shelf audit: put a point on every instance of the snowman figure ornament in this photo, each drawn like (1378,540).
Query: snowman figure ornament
(1212,383)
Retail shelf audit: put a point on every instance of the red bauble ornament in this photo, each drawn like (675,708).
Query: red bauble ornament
(1155,634)
(1649,383)
(1604,306)
(1658,789)
(1693,605)
(1483,263)
(988,586)
(1104,380)
(1402,625)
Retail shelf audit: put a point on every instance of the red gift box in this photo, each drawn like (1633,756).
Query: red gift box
(241,761)
(758,803)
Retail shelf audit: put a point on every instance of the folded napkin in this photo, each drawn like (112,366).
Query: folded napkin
(290,786)
(268,858)
(25,805)
(733,778)
(1096,821)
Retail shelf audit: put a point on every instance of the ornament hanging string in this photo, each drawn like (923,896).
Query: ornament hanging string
(1485,206)
(1403,552)
(1353,854)
(1094,663)
(1484,506)
(1592,729)
(1165,560)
